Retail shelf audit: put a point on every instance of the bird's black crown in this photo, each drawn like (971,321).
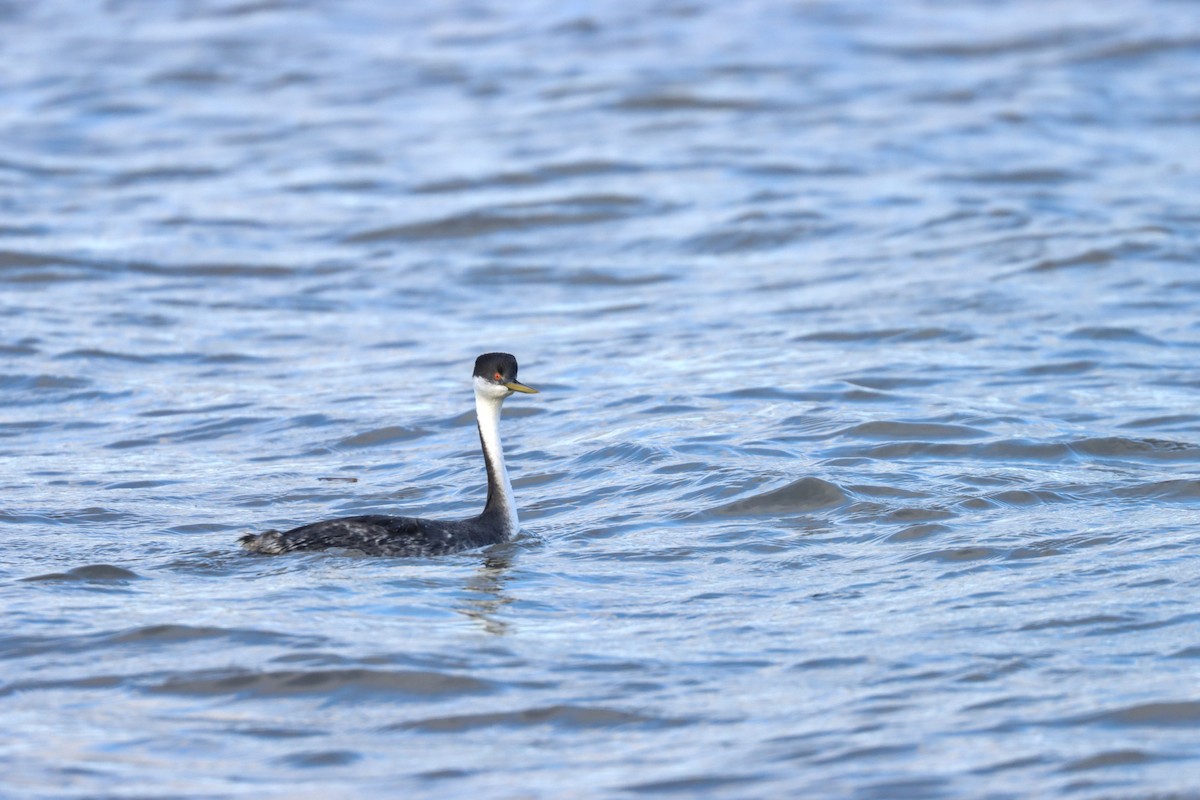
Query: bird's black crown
(489,365)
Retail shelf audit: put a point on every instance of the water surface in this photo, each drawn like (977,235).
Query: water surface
(868,455)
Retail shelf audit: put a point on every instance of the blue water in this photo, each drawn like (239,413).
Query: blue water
(867,458)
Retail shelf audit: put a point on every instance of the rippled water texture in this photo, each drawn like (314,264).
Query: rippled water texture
(867,462)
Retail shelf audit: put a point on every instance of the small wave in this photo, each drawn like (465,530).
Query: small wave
(696,786)
(806,494)
(1151,449)
(26,166)
(215,429)
(1093,257)
(890,383)
(190,77)
(321,758)
(93,573)
(624,453)
(131,444)
(1180,489)
(1188,421)
(1077,367)
(162,175)
(826,393)
(870,753)
(769,393)
(776,169)
(1016,450)
(960,554)
(833,662)
(142,484)
(262,732)
(1074,622)
(150,635)
(915,533)
(1102,333)
(20,259)
(910,515)
(1032,175)
(174,634)
(915,431)
(540,175)
(670,409)
(227,270)
(26,346)
(35,266)
(1169,714)
(558,716)
(211,409)
(339,186)
(508,274)
(109,355)
(1109,758)
(1026,497)
(681,101)
(90,515)
(760,232)
(387,435)
(1137,49)
(982,47)
(1008,450)
(875,336)
(580,210)
(92,682)
(341,682)
(42,383)
(249,8)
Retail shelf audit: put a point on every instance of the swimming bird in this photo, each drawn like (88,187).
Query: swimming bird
(495,380)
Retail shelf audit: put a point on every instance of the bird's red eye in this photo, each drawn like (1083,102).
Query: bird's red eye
(498,376)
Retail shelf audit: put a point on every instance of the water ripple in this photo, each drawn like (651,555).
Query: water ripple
(867,456)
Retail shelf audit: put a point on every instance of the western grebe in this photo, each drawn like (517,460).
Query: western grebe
(377,535)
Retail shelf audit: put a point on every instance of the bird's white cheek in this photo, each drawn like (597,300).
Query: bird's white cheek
(488,389)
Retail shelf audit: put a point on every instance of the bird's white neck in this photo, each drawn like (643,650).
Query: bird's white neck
(500,495)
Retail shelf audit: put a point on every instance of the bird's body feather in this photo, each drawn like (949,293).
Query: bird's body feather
(378,535)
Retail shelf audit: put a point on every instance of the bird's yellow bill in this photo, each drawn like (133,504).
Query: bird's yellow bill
(517,386)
